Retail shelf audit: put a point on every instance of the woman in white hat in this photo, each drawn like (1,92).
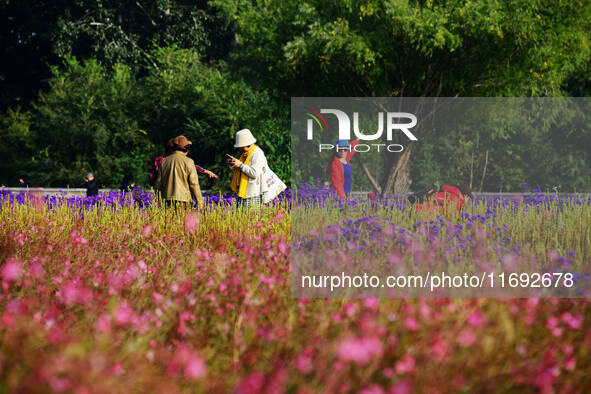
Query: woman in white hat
(247,181)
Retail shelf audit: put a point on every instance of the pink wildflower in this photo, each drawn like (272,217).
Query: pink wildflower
(403,387)
(304,363)
(157,297)
(371,304)
(11,270)
(279,216)
(103,323)
(37,270)
(360,351)
(124,314)
(411,323)
(373,389)
(439,349)
(552,323)
(7,320)
(282,247)
(73,293)
(544,379)
(253,383)
(573,322)
(191,222)
(195,367)
(476,319)
(466,337)
(394,257)
(147,229)
(570,363)
(406,364)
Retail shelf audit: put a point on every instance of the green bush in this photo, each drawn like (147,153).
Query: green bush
(112,123)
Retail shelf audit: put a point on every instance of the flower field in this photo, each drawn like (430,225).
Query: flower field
(533,245)
(114,294)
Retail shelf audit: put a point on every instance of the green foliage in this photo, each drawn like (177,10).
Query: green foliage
(159,68)
(125,32)
(17,146)
(208,105)
(88,121)
(112,123)
(36,34)
(411,48)
(544,142)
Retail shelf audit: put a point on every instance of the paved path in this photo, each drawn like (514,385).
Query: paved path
(82,192)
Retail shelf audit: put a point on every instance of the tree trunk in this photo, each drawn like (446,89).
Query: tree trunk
(484,171)
(372,180)
(398,181)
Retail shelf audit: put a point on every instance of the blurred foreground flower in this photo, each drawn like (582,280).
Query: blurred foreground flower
(192,365)
(361,351)
(191,222)
(11,271)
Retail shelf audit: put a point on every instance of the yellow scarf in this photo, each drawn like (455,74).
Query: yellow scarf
(240,179)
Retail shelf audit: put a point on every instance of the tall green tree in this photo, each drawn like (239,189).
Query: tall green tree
(89,120)
(113,122)
(410,48)
(36,34)
(125,32)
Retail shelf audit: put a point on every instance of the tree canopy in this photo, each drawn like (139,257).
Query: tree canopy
(383,48)
(98,85)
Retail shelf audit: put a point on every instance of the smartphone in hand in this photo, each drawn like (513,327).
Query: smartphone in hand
(228,159)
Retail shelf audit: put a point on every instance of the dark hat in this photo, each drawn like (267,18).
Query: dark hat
(181,141)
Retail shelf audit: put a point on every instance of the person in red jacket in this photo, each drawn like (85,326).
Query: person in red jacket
(449,199)
(339,169)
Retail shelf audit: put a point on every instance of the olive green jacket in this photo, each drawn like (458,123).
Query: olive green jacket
(177,179)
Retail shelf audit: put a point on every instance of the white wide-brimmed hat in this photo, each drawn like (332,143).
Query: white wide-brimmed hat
(244,138)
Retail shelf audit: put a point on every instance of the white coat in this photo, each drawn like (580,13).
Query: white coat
(254,171)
